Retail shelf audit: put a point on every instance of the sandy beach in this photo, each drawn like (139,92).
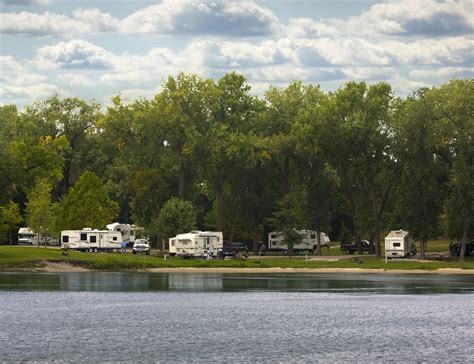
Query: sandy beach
(53,267)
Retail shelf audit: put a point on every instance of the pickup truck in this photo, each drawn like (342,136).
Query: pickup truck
(233,248)
(350,248)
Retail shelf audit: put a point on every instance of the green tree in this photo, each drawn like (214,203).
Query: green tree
(39,210)
(360,140)
(87,204)
(288,218)
(422,187)
(456,110)
(10,219)
(176,216)
(73,119)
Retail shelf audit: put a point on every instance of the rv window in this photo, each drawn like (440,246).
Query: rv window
(396,244)
(93,239)
(118,229)
(114,238)
(83,236)
(313,236)
(273,236)
(65,238)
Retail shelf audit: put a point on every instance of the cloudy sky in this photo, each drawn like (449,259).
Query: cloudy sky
(95,49)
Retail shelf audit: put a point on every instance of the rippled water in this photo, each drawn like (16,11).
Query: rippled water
(97,317)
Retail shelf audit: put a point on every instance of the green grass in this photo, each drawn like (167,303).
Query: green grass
(25,258)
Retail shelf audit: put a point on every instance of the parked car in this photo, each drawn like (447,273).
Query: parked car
(350,248)
(141,246)
(233,248)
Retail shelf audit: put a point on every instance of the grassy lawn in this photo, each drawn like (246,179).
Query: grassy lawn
(17,258)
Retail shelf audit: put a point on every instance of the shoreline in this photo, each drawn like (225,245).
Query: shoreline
(62,267)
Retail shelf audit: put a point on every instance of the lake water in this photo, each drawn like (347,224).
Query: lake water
(202,318)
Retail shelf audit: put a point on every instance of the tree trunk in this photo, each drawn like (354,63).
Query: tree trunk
(181,184)
(286,174)
(359,245)
(220,202)
(11,239)
(463,246)
(318,239)
(422,248)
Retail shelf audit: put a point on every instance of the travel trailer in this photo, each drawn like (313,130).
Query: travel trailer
(27,236)
(309,242)
(399,244)
(127,231)
(198,243)
(172,246)
(91,240)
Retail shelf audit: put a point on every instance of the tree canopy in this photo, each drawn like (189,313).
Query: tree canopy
(358,161)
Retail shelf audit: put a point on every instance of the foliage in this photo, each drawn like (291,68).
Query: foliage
(296,158)
(39,210)
(176,216)
(10,219)
(87,204)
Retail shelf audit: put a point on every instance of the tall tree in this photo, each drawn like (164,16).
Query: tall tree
(365,160)
(456,109)
(39,210)
(422,186)
(87,204)
(176,216)
(75,120)
(10,219)
(289,218)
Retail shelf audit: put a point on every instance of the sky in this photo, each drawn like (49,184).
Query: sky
(97,49)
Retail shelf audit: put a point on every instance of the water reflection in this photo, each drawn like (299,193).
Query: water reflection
(141,282)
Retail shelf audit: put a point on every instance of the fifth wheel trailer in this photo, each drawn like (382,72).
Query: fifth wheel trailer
(91,240)
(276,241)
(197,244)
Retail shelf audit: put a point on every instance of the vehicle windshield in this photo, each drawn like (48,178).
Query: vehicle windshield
(141,242)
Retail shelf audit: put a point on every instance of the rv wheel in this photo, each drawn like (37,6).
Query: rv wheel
(95,250)
(90,250)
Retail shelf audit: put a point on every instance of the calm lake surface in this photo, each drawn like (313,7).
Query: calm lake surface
(183,317)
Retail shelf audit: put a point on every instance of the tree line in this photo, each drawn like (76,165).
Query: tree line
(208,154)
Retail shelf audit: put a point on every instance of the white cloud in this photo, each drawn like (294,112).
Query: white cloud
(442,73)
(15,73)
(192,17)
(75,79)
(76,53)
(421,17)
(38,91)
(402,17)
(237,18)
(48,23)
(17,81)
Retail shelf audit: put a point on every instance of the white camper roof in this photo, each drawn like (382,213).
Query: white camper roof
(397,234)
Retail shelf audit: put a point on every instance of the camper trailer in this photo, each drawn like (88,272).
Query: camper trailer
(91,240)
(127,231)
(276,241)
(172,246)
(198,243)
(398,244)
(27,236)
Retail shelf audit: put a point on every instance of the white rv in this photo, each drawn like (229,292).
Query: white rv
(172,246)
(91,240)
(399,244)
(127,231)
(309,242)
(198,243)
(27,236)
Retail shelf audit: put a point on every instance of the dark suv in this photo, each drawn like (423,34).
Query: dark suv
(230,249)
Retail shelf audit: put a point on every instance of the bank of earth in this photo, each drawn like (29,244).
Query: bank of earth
(53,260)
